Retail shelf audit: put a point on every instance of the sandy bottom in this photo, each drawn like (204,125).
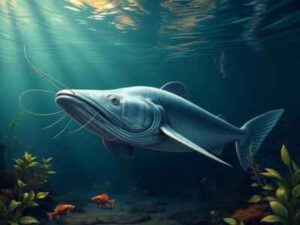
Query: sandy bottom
(154,210)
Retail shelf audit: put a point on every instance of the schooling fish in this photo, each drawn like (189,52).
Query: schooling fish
(59,210)
(103,200)
(161,119)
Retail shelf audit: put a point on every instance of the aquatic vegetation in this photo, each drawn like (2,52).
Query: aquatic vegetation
(7,141)
(281,192)
(31,175)
(12,214)
(15,122)
(278,193)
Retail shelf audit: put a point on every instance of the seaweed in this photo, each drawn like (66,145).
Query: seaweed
(7,141)
(280,192)
(31,175)
(284,195)
(9,138)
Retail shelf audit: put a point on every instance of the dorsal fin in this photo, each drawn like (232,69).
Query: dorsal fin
(176,88)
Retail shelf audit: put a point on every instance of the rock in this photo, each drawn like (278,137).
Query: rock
(118,218)
(191,218)
(148,207)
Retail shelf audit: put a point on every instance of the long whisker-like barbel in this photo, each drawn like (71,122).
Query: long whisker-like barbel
(34,113)
(53,124)
(58,85)
(84,125)
(63,130)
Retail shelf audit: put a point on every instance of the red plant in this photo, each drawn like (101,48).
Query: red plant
(251,215)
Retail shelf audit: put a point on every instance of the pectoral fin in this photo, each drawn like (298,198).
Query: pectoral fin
(167,130)
(119,149)
(217,150)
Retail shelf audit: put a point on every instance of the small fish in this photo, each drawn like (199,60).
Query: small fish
(59,210)
(103,200)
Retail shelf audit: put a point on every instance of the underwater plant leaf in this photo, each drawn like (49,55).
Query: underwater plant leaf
(255,199)
(13,205)
(279,209)
(272,173)
(28,220)
(42,195)
(272,219)
(296,191)
(11,222)
(31,196)
(47,160)
(282,194)
(28,197)
(20,183)
(25,197)
(33,164)
(285,157)
(254,185)
(230,221)
(295,166)
(19,161)
(268,187)
(51,172)
(297,176)
(27,156)
(270,198)
(3,208)
(33,204)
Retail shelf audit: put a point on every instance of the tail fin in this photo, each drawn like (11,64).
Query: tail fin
(51,215)
(112,202)
(256,129)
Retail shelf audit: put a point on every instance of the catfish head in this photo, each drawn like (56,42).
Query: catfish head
(113,115)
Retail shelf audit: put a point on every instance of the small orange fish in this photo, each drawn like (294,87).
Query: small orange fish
(59,210)
(103,200)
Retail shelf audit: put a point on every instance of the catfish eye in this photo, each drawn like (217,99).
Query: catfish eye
(115,100)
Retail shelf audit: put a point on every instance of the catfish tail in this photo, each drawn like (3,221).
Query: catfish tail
(256,131)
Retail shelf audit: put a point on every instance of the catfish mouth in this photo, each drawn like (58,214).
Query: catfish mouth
(73,99)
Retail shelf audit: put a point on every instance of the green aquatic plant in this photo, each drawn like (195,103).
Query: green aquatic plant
(8,139)
(30,173)
(280,191)
(30,176)
(232,221)
(12,213)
